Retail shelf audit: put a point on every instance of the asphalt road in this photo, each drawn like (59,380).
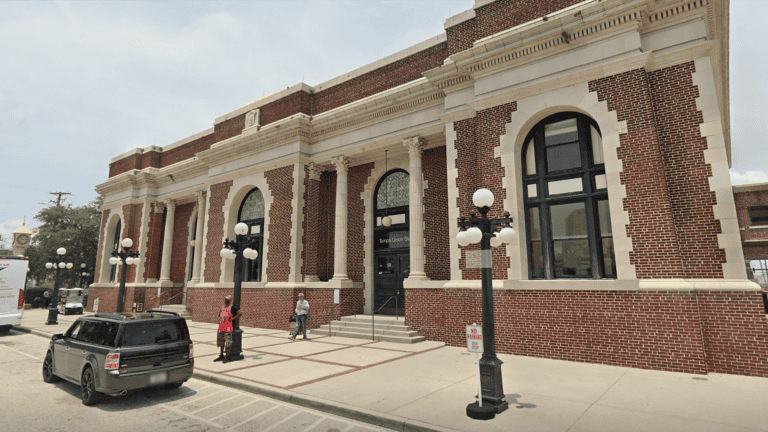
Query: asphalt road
(29,404)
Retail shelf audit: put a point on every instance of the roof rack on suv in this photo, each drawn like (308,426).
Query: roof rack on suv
(111,316)
(162,311)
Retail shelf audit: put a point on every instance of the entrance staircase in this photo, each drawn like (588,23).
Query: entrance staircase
(386,328)
(179,309)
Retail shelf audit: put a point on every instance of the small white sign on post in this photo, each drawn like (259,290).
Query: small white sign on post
(96,305)
(475,345)
(336,296)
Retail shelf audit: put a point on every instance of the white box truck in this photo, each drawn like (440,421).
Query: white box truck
(13,277)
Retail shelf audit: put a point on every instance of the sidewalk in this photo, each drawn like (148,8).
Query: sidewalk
(427,386)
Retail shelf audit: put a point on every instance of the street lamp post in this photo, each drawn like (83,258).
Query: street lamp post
(238,249)
(53,311)
(485,231)
(127,256)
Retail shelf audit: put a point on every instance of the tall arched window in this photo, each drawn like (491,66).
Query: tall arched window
(115,246)
(566,200)
(391,253)
(252,214)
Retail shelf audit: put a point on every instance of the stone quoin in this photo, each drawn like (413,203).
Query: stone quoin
(601,126)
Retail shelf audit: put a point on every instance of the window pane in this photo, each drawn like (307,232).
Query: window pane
(597,147)
(561,132)
(396,219)
(253,206)
(393,191)
(256,229)
(537,260)
(385,266)
(568,220)
(149,333)
(563,157)
(600,182)
(572,258)
(609,258)
(533,191)
(405,265)
(534,222)
(565,186)
(758,216)
(530,158)
(605,217)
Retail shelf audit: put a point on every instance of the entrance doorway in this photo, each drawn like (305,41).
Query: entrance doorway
(391,244)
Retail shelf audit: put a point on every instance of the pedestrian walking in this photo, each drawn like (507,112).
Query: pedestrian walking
(47,298)
(227,314)
(302,308)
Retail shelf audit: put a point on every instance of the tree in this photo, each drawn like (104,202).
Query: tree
(74,228)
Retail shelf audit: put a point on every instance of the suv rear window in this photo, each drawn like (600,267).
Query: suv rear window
(152,332)
(99,333)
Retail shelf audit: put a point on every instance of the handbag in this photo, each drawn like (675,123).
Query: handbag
(293,318)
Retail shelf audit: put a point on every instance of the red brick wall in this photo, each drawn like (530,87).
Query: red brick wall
(311,212)
(326,225)
(659,330)
(107,299)
(264,308)
(280,183)
(321,302)
(102,250)
(498,16)
(384,78)
(476,139)
(436,236)
(651,226)
(215,233)
(187,150)
(682,150)
(229,128)
(358,178)
(131,229)
(294,103)
(126,164)
(180,244)
(155,234)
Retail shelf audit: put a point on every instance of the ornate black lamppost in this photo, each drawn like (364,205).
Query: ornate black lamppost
(484,231)
(238,249)
(127,256)
(53,311)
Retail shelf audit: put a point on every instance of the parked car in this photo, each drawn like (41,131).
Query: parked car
(115,353)
(71,301)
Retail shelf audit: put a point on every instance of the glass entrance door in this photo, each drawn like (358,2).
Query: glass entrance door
(391,269)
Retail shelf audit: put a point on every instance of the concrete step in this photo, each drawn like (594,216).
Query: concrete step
(179,309)
(379,319)
(377,337)
(367,325)
(367,331)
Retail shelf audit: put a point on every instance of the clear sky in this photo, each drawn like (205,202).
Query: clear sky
(83,82)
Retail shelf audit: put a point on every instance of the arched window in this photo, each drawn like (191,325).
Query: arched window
(115,246)
(566,200)
(252,214)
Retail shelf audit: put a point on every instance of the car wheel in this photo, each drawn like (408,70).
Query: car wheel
(48,375)
(5,329)
(175,385)
(88,388)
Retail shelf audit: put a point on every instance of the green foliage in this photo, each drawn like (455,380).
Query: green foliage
(74,228)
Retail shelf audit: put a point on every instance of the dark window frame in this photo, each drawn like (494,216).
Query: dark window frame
(252,269)
(589,195)
(115,247)
(753,219)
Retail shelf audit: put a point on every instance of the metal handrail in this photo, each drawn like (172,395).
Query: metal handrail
(373,322)
(330,311)
(169,299)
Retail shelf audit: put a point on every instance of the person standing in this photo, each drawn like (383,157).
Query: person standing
(227,314)
(47,298)
(302,308)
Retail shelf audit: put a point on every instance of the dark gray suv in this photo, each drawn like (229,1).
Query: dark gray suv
(115,353)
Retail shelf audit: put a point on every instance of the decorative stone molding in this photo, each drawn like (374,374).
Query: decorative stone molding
(314,171)
(170,204)
(253,118)
(415,146)
(667,13)
(452,174)
(341,163)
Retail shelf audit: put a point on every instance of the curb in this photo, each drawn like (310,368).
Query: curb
(33,331)
(343,410)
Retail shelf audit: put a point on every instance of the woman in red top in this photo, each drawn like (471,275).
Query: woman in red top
(227,314)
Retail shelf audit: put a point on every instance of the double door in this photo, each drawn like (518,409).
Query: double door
(391,268)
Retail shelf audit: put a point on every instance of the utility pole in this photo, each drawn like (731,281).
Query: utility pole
(58,198)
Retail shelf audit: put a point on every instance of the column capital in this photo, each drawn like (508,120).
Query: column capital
(200,195)
(159,206)
(314,171)
(170,204)
(341,163)
(415,145)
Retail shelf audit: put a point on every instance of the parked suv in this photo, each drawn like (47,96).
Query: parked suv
(115,353)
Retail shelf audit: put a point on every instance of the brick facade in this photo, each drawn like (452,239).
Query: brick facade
(656,251)
(326,225)
(279,256)
(309,251)
(436,235)
(131,229)
(156,228)
(218,195)
(357,178)
(682,149)
(476,139)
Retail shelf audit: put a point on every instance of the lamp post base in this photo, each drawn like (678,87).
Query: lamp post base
(53,314)
(236,353)
(477,412)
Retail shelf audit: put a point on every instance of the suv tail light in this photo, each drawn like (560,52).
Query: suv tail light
(113,361)
(191,350)
(21,299)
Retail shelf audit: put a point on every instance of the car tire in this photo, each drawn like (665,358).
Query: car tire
(174,386)
(5,329)
(88,387)
(48,375)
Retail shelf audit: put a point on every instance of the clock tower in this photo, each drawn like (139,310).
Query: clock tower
(21,239)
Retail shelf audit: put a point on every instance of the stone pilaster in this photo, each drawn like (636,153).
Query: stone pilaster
(165,262)
(415,147)
(340,238)
(199,237)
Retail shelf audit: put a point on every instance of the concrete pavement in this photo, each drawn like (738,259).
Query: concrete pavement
(426,386)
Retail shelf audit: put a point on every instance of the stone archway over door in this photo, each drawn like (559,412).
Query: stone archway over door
(391,244)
